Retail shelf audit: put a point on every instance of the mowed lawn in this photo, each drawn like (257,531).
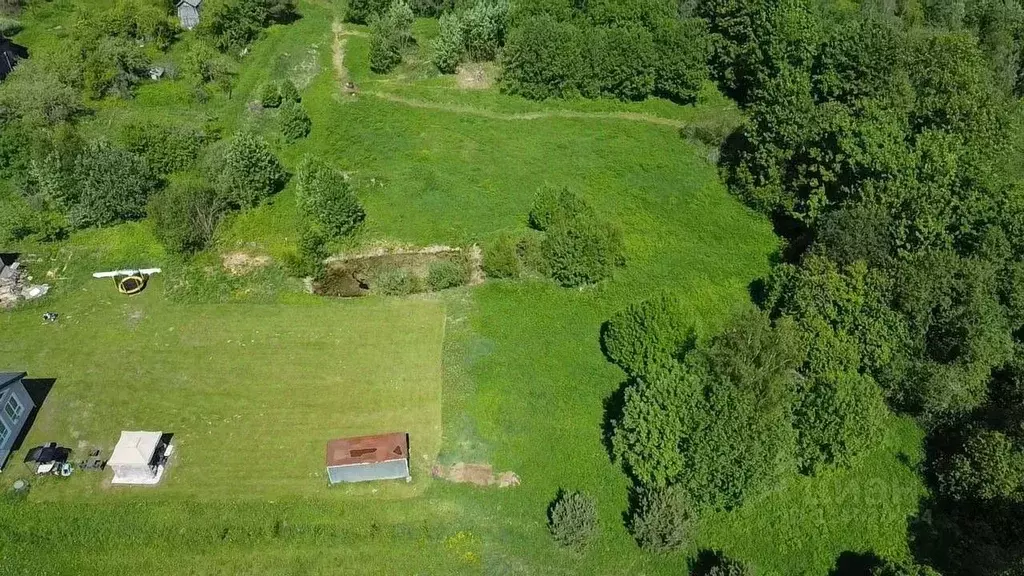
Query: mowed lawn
(250,392)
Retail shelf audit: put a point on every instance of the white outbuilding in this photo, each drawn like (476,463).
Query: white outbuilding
(138,458)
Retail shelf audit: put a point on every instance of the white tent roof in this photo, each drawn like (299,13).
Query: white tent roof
(135,448)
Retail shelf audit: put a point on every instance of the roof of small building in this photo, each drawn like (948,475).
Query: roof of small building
(8,378)
(368,449)
(135,448)
(192,3)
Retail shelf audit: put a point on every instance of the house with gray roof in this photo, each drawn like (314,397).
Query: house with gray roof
(15,407)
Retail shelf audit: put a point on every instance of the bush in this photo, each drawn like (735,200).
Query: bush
(390,34)
(288,91)
(17,220)
(186,215)
(447,274)
(572,520)
(483,28)
(661,522)
(718,425)
(622,61)
(581,250)
(838,416)
(92,185)
(270,95)
(501,259)
(646,336)
(718,564)
(395,282)
(251,171)
(431,8)
(166,148)
(9,27)
(114,67)
(682,49)
(553,204)
(231,25)
(312,252)
(364,11)
(449,45)
(324,197)
(295,123)
(543,58)
(988,467)
(39,97)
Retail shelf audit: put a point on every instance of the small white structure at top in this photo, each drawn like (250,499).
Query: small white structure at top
(188,13)
(137,458)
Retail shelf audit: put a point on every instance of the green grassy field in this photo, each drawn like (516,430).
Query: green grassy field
(251,393)
(522,378)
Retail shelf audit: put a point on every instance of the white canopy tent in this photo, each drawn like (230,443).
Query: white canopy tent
(134,460)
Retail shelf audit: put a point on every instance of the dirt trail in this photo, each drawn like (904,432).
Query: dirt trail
(339,53)
(339,67)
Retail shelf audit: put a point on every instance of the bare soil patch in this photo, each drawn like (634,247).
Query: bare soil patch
(476,474)
(474,76)
(241,263)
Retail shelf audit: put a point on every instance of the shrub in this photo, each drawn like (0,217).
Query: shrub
(364,11)
(551,204)
(838,417)
(622,59)
(531,256)
(718,564)
(17,219)
(166,148)
(9,27)
(38,96)
(114,67)
(390,34)
(581,250)
(252,172)
(988,467)
(646,336)
(325,198)
(682,49)
(395,282)
(500,258)
(92,185)
(232,24)
(572,520)
(432,8)
(295,123)
(312,252)
(270,95)
(186,215)
(718,425)
(483,28)
(447,274)
(449,45)
(288,91)
(661,522)
(543,58)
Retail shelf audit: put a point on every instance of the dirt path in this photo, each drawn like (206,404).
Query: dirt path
(339,67)
(339,53)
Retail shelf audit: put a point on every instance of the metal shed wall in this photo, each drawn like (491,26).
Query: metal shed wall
(390,470)
(189,16)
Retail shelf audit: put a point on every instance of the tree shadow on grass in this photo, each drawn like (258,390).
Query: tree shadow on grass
(855,564)
(614,404)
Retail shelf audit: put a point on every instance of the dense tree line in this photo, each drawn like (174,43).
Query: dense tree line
(627,50)
(881,142)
